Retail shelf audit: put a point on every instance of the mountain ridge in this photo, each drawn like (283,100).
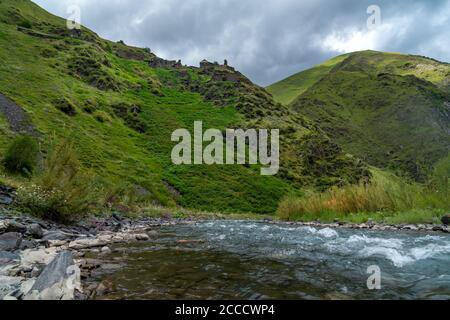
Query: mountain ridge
(120,104)
(391,110)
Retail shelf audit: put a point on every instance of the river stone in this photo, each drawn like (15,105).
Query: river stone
(57,235)
(10,241)
(7,257)
(31,257)
(28,244)
(86,244)
(142,237)
(8,285)
(106,250)
(14,226)
(35,231)
(57,281)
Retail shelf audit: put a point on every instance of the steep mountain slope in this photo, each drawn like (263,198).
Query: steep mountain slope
(391,110)
(287,90)
(120,105)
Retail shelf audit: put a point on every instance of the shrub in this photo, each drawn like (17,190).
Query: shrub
(63,192)
(101,116)
(66,106)
(25,24)
(22,156)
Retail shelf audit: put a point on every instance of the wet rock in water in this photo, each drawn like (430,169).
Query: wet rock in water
(10,241)
(446,220)
(103,288)
(142,237)
(439,228)
(89,264)
(106,250)
(86,244)
(35,231)
(57,281)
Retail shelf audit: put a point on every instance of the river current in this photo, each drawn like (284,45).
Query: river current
(252,260)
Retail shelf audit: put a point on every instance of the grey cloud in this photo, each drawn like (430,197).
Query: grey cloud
(266,40)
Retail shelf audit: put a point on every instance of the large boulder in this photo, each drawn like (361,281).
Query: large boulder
(58,281)
(35,231)
(10,241)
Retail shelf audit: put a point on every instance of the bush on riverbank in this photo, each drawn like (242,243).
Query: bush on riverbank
(389,200)
(62,192)
(22,156)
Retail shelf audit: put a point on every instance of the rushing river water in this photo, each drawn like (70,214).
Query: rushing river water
(250,260)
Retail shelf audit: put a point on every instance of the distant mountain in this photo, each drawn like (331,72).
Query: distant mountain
(120,105)
(391,110)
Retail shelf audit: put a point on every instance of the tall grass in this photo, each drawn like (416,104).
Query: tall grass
(63,191)
(382,198)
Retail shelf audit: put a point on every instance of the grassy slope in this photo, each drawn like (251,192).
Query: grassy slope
(115,151)
(390,109)
(287,90)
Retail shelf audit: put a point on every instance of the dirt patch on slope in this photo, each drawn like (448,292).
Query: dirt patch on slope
(16,116)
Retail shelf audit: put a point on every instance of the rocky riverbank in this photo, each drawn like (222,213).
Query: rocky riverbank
(375,226)
(41,260)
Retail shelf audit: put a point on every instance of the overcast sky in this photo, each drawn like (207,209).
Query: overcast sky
(267,40)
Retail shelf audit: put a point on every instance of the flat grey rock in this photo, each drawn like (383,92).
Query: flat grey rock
(57,235)
(10,241)
(6,257)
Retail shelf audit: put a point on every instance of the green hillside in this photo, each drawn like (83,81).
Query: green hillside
(287,90)
(120,104)
(391,110)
